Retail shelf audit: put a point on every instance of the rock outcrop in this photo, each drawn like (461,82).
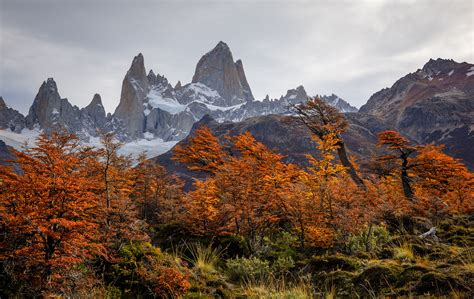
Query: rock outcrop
(243,81)
(51,112)
(10,118)
(129,113)
(339,103)
(218,71)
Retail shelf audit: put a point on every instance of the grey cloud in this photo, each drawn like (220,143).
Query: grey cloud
(349,48)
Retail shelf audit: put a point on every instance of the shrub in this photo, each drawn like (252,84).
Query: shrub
(247,269)
(146,271)
(369,239)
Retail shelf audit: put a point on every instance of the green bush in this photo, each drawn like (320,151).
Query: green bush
(282,265)
(247,269)
(281,245)
(373,238)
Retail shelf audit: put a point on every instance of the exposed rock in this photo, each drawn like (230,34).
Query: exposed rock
(7,156)
(339,103)
(93,116)
(46,106)
(10,118)
(135,87)
(178,85)
(243,81)
(50,112)
(217,70)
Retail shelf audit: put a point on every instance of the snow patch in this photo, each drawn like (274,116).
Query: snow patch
(148,136)
(55,111)
(151,146)
(18,141)
(451,72)
(156,100)
(470,71)
(220,108)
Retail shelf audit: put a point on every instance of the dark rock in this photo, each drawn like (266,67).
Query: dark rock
(10,118)
(217,70)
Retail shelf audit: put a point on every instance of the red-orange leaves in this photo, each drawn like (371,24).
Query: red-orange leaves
(46,211)
(203,153)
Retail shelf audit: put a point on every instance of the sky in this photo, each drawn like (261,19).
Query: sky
(349,48)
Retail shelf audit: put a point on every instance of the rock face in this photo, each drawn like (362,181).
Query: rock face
(10,118)
(218,71)
(135,86)
(150,107)
(93,118)
(51,112)
(339,103)
(243,81)
(435,104)
(46,106)
(7,157)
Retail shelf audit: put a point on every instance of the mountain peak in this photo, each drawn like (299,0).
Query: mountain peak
(221,45)
(243,81)
(50,85)
(2,102)
(217,70)
(96,100)
(439,65)
(137,69)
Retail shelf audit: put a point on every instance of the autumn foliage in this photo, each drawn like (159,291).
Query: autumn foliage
(75,218)
(69,208)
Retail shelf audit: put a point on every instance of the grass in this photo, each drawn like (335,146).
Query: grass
(404,252)
(203,258)
(279,288)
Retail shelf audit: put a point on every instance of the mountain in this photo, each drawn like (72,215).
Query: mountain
(338,103)
(150,107)
(434,104)
(51,112)
(217,70)
(10,118)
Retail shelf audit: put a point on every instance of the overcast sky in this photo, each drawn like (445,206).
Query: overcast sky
(350,48)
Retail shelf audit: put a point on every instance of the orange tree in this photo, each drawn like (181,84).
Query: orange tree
(157,194)
(443,183)
(322,119)
(436,180)
(46,212)
(244,194)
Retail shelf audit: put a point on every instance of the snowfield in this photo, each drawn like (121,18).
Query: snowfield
(156,100)
(151,147)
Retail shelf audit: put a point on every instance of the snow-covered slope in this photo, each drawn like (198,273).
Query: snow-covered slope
(151,147)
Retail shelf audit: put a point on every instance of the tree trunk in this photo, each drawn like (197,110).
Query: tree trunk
(341,152)
(406,179)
